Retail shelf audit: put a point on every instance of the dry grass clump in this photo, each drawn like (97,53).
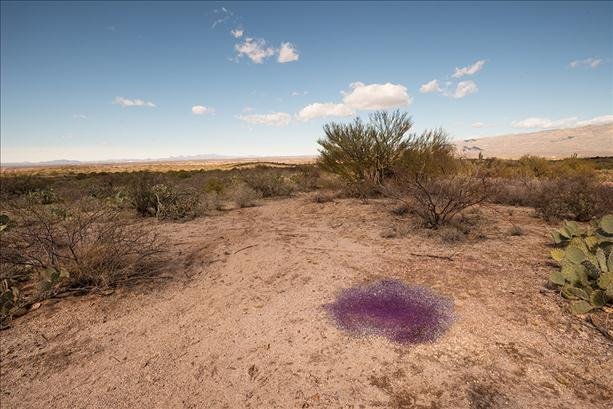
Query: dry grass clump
(57,248)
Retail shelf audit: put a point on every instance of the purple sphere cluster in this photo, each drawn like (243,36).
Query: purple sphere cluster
(402,313)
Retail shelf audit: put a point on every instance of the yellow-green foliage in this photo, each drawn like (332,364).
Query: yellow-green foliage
(585,256)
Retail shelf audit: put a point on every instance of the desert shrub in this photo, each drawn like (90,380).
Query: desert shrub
(44,196)
(216,185)
(62,247)
(213,201)
(172,204)
(244,196)
(163,201)
(578,198)
(436,200)
(516,231)
(307,178)
(516,192)
(364,154)
(585,257)
(18,185)
(269,184)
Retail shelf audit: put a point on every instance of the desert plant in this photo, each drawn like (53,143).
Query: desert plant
(269,184)
(578,197)
(244,196)
(215,185)
(438,199)
(161,200)
(364,154)
(585,257)
(80,245)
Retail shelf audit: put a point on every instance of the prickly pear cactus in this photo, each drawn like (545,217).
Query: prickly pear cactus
(585,257)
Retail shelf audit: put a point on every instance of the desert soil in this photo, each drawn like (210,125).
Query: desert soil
(236,320)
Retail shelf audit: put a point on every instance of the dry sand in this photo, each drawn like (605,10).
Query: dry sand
(239,322)
(585,142)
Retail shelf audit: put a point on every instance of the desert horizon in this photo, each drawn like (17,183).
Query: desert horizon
(445,242)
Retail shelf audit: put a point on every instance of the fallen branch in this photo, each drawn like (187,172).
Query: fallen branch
(449,258)
(245,248)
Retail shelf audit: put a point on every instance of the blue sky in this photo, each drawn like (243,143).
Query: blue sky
(92,81)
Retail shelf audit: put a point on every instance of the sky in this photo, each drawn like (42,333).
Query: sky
(109,80)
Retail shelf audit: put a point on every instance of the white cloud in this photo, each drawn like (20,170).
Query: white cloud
(237,33)
(287,53)
(588,62)
(248,109)
(202,110)
(125,102)
(318,110)
(273,119)
(465,88)
(431,86)
(478,125)
(298,93)
(79,116)
(470,70)
(599,120)
(544,123)
(376,96)
(570,122)
(255,49)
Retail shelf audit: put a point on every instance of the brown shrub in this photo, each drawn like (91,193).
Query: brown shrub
(579,198)
(83,245)
(244,196)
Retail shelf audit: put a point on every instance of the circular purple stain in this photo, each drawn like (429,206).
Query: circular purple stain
(404,314)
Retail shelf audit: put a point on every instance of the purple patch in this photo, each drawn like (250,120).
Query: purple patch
(405,314)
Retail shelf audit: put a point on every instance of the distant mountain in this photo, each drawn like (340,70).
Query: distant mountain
(65,162)
(586,141)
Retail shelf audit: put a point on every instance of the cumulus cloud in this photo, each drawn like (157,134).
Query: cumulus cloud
(318,110)
(202,110)
(431,86)
(470,70)
(376,96)
(298,93)
(272,119)
(465,88)
(255,49)
(287,53)
(237,33)
(588,62)
(125,102)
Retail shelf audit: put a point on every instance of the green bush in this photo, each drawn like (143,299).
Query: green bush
(364,154)
(585,257)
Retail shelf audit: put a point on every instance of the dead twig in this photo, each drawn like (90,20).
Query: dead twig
(449,258)
(245,248)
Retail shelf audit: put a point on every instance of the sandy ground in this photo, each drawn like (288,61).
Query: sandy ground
(238,322)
